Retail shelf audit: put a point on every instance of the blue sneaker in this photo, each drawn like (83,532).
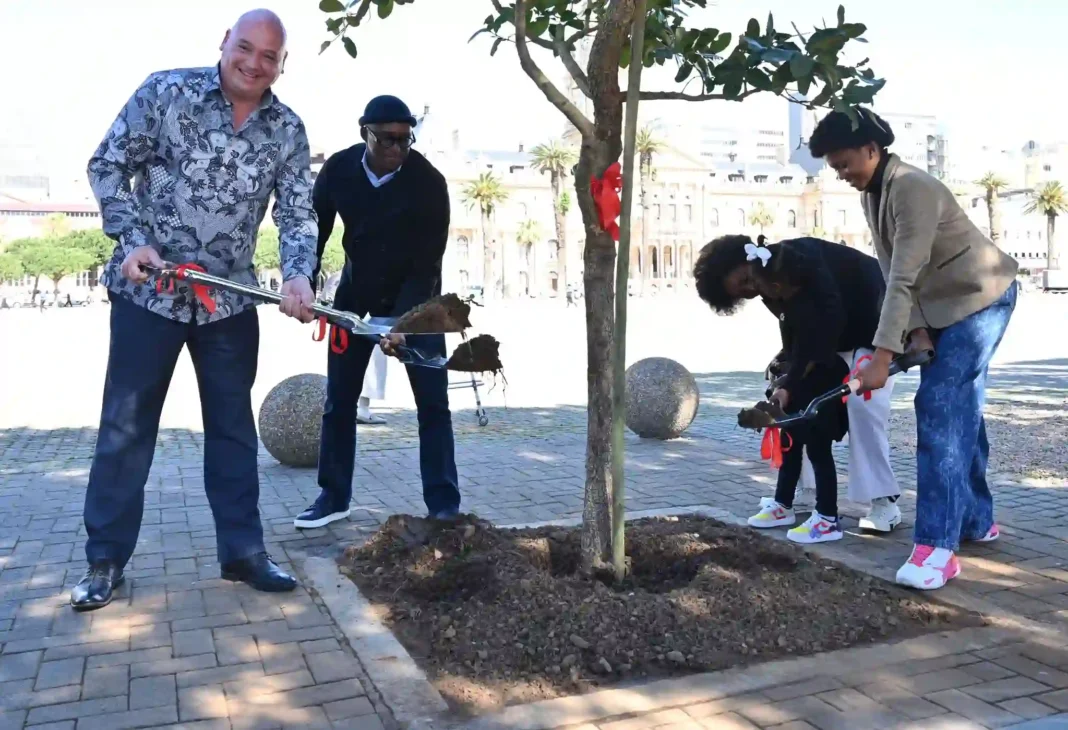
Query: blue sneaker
(319,515)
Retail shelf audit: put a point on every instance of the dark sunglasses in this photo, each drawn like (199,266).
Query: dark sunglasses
(387,140)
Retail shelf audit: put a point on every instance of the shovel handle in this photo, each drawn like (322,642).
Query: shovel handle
(900,364)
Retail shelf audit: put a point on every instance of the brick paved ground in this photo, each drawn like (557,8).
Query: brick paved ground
(181,646)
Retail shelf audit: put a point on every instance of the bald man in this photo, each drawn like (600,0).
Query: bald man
(206,149)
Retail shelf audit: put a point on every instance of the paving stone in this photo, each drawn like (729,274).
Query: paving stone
(19,666)
(219,675)
(201,703)
(987,671)
(76,710)
(237,650)
(132,719)
(1006,689)
(172,666)
(972,708)
(59,674)
(148,692)
(105,681)
(1027,708)
(332,666)
(356,707)
(191,643)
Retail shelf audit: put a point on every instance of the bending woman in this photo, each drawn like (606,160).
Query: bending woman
(947,287)
(725,276)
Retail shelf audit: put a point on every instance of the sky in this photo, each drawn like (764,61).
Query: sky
(986,68)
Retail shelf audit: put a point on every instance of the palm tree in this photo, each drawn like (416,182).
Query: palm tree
(529,235)
(1050,200)
(993,184)
(647,145)
(487,192)
(557,159)
(761,216)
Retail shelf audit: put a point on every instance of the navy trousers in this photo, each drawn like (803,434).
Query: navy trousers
(143,352)
(337,448)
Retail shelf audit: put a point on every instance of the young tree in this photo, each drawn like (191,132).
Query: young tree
(30,253)
(557,159)
(1050,200)
(993,184)
(761,216)
(51,257)
(647,145)
(528,237)
(763,59)
(10,267)
(486,192)
(94,242)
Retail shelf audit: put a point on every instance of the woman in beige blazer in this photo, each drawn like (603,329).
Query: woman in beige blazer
(949,288)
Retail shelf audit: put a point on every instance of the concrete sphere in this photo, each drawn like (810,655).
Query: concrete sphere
(290,419)
(661,398)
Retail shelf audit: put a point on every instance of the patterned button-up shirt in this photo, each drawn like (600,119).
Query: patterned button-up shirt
(201,188)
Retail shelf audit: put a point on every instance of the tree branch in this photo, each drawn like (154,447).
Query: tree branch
(571,64)
(536,41)
(362,11)
(680,96)
(553,94)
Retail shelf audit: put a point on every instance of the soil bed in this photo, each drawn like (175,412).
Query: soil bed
(500,617)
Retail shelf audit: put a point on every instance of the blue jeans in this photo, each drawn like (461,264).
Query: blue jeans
(337,447)
(143,351)
(953,502)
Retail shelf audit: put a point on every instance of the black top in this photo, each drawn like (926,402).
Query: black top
(395,234)
(836,310)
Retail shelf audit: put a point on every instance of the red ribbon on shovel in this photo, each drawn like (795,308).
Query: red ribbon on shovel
(605,191)
(339,337)
(199,290)
(856,370)
(772,447)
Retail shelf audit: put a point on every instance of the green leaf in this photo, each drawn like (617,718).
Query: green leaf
(684,72)
(841,14)
(349,46)
(777,55)
(771,26)
(801,66)
(331,6)
(758,79)
(854,30)
(720,44)
(385,8)
(324,46)
(496,43)
(753,28)
(803,85)
(538,27)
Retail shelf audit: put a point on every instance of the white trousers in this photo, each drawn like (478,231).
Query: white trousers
(870,475)
(374,380)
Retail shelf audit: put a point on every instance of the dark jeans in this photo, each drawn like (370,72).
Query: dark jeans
(143,352)
(953,501)
(819,453)
(337,449)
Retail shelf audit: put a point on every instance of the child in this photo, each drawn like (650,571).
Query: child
(797,286)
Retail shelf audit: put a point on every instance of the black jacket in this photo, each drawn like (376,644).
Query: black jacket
(395,235)
(837,309)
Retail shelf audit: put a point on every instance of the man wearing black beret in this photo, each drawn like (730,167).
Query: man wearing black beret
(395,208)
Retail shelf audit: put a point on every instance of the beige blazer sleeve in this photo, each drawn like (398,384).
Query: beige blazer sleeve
(915,212)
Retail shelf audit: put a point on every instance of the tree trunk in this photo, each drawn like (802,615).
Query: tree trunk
(1052,259)
(994,213)
(561,232)
(600,150)
(487,260)
(646,175)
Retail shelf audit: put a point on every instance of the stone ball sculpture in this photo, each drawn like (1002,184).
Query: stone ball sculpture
(661,398)
(290,419)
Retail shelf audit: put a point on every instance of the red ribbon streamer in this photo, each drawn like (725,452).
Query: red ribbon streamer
(605,191)
(199,290)
(845,381)
(772,447)
(339,337)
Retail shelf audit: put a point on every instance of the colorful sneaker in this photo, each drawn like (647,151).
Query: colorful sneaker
(928,568)
(772,514)
(883,516)
(991,535)
(816,528)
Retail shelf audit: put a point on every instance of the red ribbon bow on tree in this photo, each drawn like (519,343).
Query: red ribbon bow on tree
(605,191)
(200,290)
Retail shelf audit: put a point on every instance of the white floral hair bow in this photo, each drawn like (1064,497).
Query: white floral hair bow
(754,252)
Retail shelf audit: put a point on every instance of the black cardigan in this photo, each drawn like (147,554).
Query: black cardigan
(395,235)
(837,309)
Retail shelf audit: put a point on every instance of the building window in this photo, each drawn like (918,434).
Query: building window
(741,218)
(673,213)
(463,248)
(842,218)
(713,218)
(656,212)
(688,213)
(791,219)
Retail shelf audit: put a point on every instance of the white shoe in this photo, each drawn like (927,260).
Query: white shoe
(883,516)
(366,418)
(772,514)
(928,568)
(816,528)
(805,498)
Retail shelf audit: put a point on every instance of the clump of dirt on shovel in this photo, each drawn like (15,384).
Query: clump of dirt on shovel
(478,355)
(763,415)
(442,314)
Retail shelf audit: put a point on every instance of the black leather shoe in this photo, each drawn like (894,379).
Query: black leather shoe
(97,587)
(260,572)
